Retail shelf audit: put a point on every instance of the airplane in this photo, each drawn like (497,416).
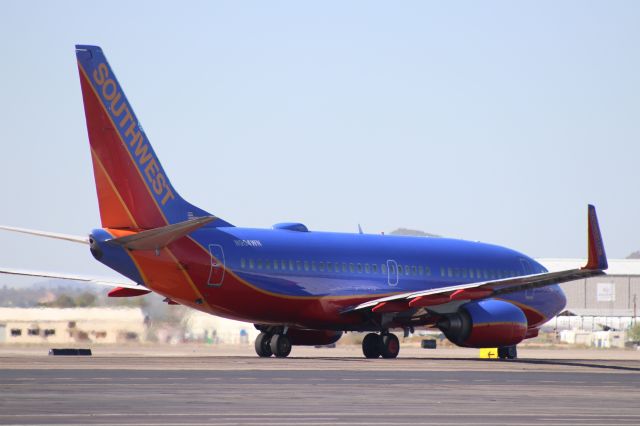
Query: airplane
(299,287)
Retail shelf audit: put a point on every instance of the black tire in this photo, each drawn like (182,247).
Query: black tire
(502,352)
(280,345)
(389,346)
(508,352)
(371,345)
(263,349)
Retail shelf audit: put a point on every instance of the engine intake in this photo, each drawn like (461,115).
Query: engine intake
(486,323)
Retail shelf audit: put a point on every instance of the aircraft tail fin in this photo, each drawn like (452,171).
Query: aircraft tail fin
(134,192)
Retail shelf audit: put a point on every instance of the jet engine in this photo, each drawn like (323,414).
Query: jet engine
(485,324)
(313,337)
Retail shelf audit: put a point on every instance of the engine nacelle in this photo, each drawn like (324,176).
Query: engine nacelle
(485,324)
(313,337)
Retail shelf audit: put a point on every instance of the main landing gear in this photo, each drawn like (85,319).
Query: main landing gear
(273,344)
(508,352)
(385,345)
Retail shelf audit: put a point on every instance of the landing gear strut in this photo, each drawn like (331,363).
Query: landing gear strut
(508,352)
(375,345)
(268,344)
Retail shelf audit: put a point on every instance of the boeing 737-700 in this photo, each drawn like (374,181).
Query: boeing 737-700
(298,287)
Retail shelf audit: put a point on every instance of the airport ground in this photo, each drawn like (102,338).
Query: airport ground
(228,385)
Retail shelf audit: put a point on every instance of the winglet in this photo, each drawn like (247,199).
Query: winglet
(597,256)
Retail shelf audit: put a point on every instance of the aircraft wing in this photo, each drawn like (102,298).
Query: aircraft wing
(596,265)
(78,278)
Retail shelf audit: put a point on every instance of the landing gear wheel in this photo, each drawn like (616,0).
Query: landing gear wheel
(280,345)
(371,345)
(389,346)
(263,349)
(508,352)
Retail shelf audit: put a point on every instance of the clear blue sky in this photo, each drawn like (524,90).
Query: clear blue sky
(495,121)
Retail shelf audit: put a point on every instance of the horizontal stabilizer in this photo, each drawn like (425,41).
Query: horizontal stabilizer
(57,236)
(155,239)
(70,277)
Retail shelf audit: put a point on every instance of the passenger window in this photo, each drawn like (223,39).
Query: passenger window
(299,265)
(321,265)
(275,265)
(267,264)
(251,265)
(313,265)
(359,268)
(420,270)
(243,263)
(478,273)
(441,271)
(367,268)
(283,265)
(414,269)
(470,273)
(383,268)
(400,269)
(464,272)
(259,263)
(375,268)
(427,270)
(306,265)
(330,266)
(352,268)
(407,269)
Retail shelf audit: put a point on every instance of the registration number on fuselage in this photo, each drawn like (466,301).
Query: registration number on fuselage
(248,243)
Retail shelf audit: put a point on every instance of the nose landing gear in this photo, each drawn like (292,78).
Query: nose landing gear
(375,345)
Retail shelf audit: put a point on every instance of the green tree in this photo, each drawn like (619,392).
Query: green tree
(634,333)
(85,299)
(64,301)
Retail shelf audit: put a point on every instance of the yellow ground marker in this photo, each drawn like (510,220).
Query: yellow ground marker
(489,353)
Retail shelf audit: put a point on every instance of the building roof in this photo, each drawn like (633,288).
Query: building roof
(616,266)
(603,313)
(71,314)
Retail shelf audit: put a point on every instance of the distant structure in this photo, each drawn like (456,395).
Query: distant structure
(599,303)
(201,327)
(71,325)
(412,233)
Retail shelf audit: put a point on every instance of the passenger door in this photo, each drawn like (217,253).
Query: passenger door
(392,272)
(216,272)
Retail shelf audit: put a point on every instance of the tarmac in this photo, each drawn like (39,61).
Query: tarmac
(229,385)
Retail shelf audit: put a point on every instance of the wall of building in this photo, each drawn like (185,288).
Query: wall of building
(51,325)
